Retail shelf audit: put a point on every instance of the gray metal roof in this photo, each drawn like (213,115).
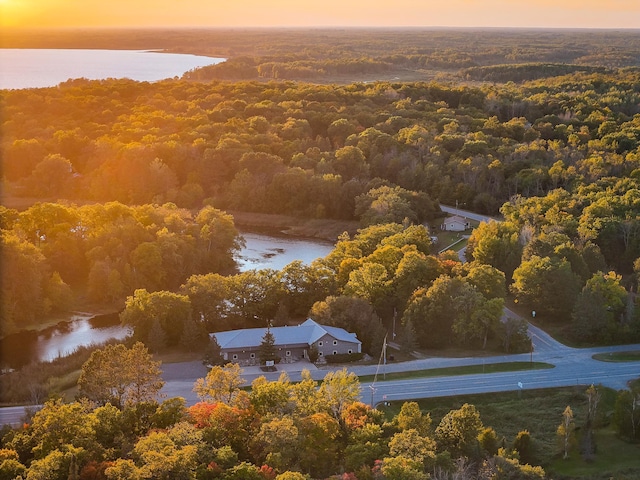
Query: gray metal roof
(306,333)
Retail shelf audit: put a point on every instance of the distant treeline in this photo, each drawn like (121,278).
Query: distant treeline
(525,71)
(322,53)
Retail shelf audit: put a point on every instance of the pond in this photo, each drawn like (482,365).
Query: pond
(262,250)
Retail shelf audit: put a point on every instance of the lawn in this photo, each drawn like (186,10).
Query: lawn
(628,356)
(466,370)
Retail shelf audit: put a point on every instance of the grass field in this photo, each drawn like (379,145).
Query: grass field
(540,412)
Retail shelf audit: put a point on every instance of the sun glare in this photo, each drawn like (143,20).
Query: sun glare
(11,12)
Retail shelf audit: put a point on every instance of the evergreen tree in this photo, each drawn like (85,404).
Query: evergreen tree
(213,354)
(267,351)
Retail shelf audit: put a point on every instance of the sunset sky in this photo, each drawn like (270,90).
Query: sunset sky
(292,13)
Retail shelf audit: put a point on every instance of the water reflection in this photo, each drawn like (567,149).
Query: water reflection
(262,250)
(60,340)
(268,251)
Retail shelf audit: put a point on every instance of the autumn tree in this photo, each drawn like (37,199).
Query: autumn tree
(222,384)
(458,431)
(566,432)
(338,390)
(121,376)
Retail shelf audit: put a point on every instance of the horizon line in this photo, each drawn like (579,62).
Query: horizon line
(313,27)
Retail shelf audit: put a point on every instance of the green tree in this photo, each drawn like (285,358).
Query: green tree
(458,431)
(364,446)
(52,176)
(402,468)
(171,311)
(288,475)
(349,162)
(484,320)
(496,244)
(218,238)
(22,278)
(354,315)
(410,444)
(547,285)
(303,285)
(488,280)
(489,441)
(146,261)
(433,311)
(599,307)
(271,398)
(213,353)
(410,416)
(319,448)
(514,334)
(523,444)
(120,375)
(384,205)
(627,411)
(208,294)
(277,441)
(253,296)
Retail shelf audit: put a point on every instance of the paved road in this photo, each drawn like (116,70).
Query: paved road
(466,214)
(572,366)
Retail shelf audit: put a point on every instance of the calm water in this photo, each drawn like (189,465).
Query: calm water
(34,68)
(261,251)
(268,251)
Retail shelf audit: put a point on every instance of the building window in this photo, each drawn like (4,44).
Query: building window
(335,342)
(288,353)
(320,343)
(335,352)
(320,354)
(350,351)
(252,355)
(235,356)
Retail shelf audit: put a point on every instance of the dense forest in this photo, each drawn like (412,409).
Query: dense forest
(115,196)
(558,157)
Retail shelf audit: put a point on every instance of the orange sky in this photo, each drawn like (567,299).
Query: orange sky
(269,13)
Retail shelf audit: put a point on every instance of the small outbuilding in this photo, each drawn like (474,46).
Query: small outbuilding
(455,223)
(291,343)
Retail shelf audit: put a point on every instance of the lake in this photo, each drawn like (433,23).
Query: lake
(36,68)
(261,251)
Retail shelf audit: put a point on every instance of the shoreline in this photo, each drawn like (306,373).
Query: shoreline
(321,229)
